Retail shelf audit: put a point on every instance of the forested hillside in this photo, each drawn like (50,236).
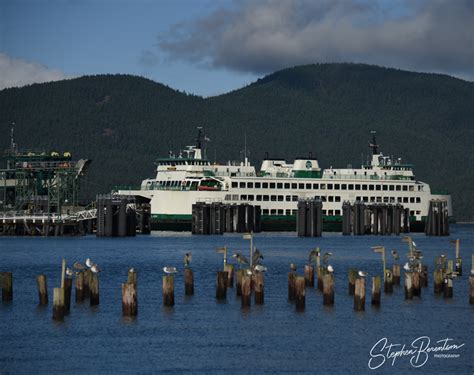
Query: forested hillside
(125,122)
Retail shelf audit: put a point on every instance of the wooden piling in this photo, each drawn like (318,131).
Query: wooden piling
(388,283)
(359,294)
(129,299)
(229,268)
(168,290)
(132,277)
(309,275)
(67,295)
(42,289)
(300,297)
(448,288)
(80,287)
(291,286)
(376,286)
(259,288)
(87,278)
(321,272)
(396,274)
(94,289)
(471,290)
(438,281)
(58,304)
(352,279)
(417,280)
(238,284)
(221,285)
(408,285)
(6,279)
(188,282)
(328,289)
(246,290)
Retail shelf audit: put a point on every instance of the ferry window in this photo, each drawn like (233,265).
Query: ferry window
(257,185)
(288,198)
(331,198)
(300,186)
(412,213)
(358,199)
(294,212)
(329,186)
(259,198)
(391,187)
(279,185)
(273,212)
(308,186)
(398,188)
(324,212)
(265,185)
(371,187)
(295,198)
(280,212)
(372,199)
(235,197)
(287,212)
(294,186)
(412,200)
(379,199)
(250,185)
(405,200)
(364,187)
(280,198)
(265,212)
(315,186)
(412,188)
(330,212)
(242,185)
(418,212)
(234,184)
(420,187)
(378,187)
(351,187)
(272,185)
(365,199)
(405,188)
(336,186)
(273,198)
(384,187)
(337,212)
(337,198)
(418,200)
(323,199)
(392,199)
(287,185)
(265,198)
(227,197)
(323,186)
(400,199)
(357,187)
(343,187)
(243,197)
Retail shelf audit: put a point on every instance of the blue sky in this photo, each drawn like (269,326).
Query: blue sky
(210,47)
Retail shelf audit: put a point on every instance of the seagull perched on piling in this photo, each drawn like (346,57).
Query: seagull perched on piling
(260,268)
(395,255)
(257,255)
(362,273)
(326,257)
(78,266)
(131,270)
(240,258)
(313,255)
(69,271)
(188,257)
(169,270)
(330,269)
(249,272)
(407,267)
(89,263)
(95,268)
(293,267)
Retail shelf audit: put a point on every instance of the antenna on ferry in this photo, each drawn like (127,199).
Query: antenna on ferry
(373,145)
(245,150)
(12,138)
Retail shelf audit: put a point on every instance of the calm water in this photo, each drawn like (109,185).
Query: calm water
(201,335)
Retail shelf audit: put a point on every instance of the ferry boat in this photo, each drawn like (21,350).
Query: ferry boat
(184,179)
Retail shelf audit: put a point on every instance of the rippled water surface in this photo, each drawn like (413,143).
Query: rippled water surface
(202,335)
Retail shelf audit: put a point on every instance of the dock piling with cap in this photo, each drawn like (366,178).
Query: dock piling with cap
(359,294)
(188,281)
(42,289)
(80,286)
(129,299)
(352,276)
(58,304)
(259,288)
(6,281)
(221,285)
(376,286)
(168,290)
(300,297)
(246,290)
(328,289)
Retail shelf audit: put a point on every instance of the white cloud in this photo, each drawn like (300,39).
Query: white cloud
(18,72)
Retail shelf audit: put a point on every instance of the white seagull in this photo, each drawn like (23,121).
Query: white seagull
(132,270)
(249,272)
(362,274)
(170,270)
(188,257)
(95,268)
(89,263)
(330,269)
(293,267)
(406,267)
(68,271)
(260,268)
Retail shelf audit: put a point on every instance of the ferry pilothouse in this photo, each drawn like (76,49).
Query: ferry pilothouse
(184,179)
